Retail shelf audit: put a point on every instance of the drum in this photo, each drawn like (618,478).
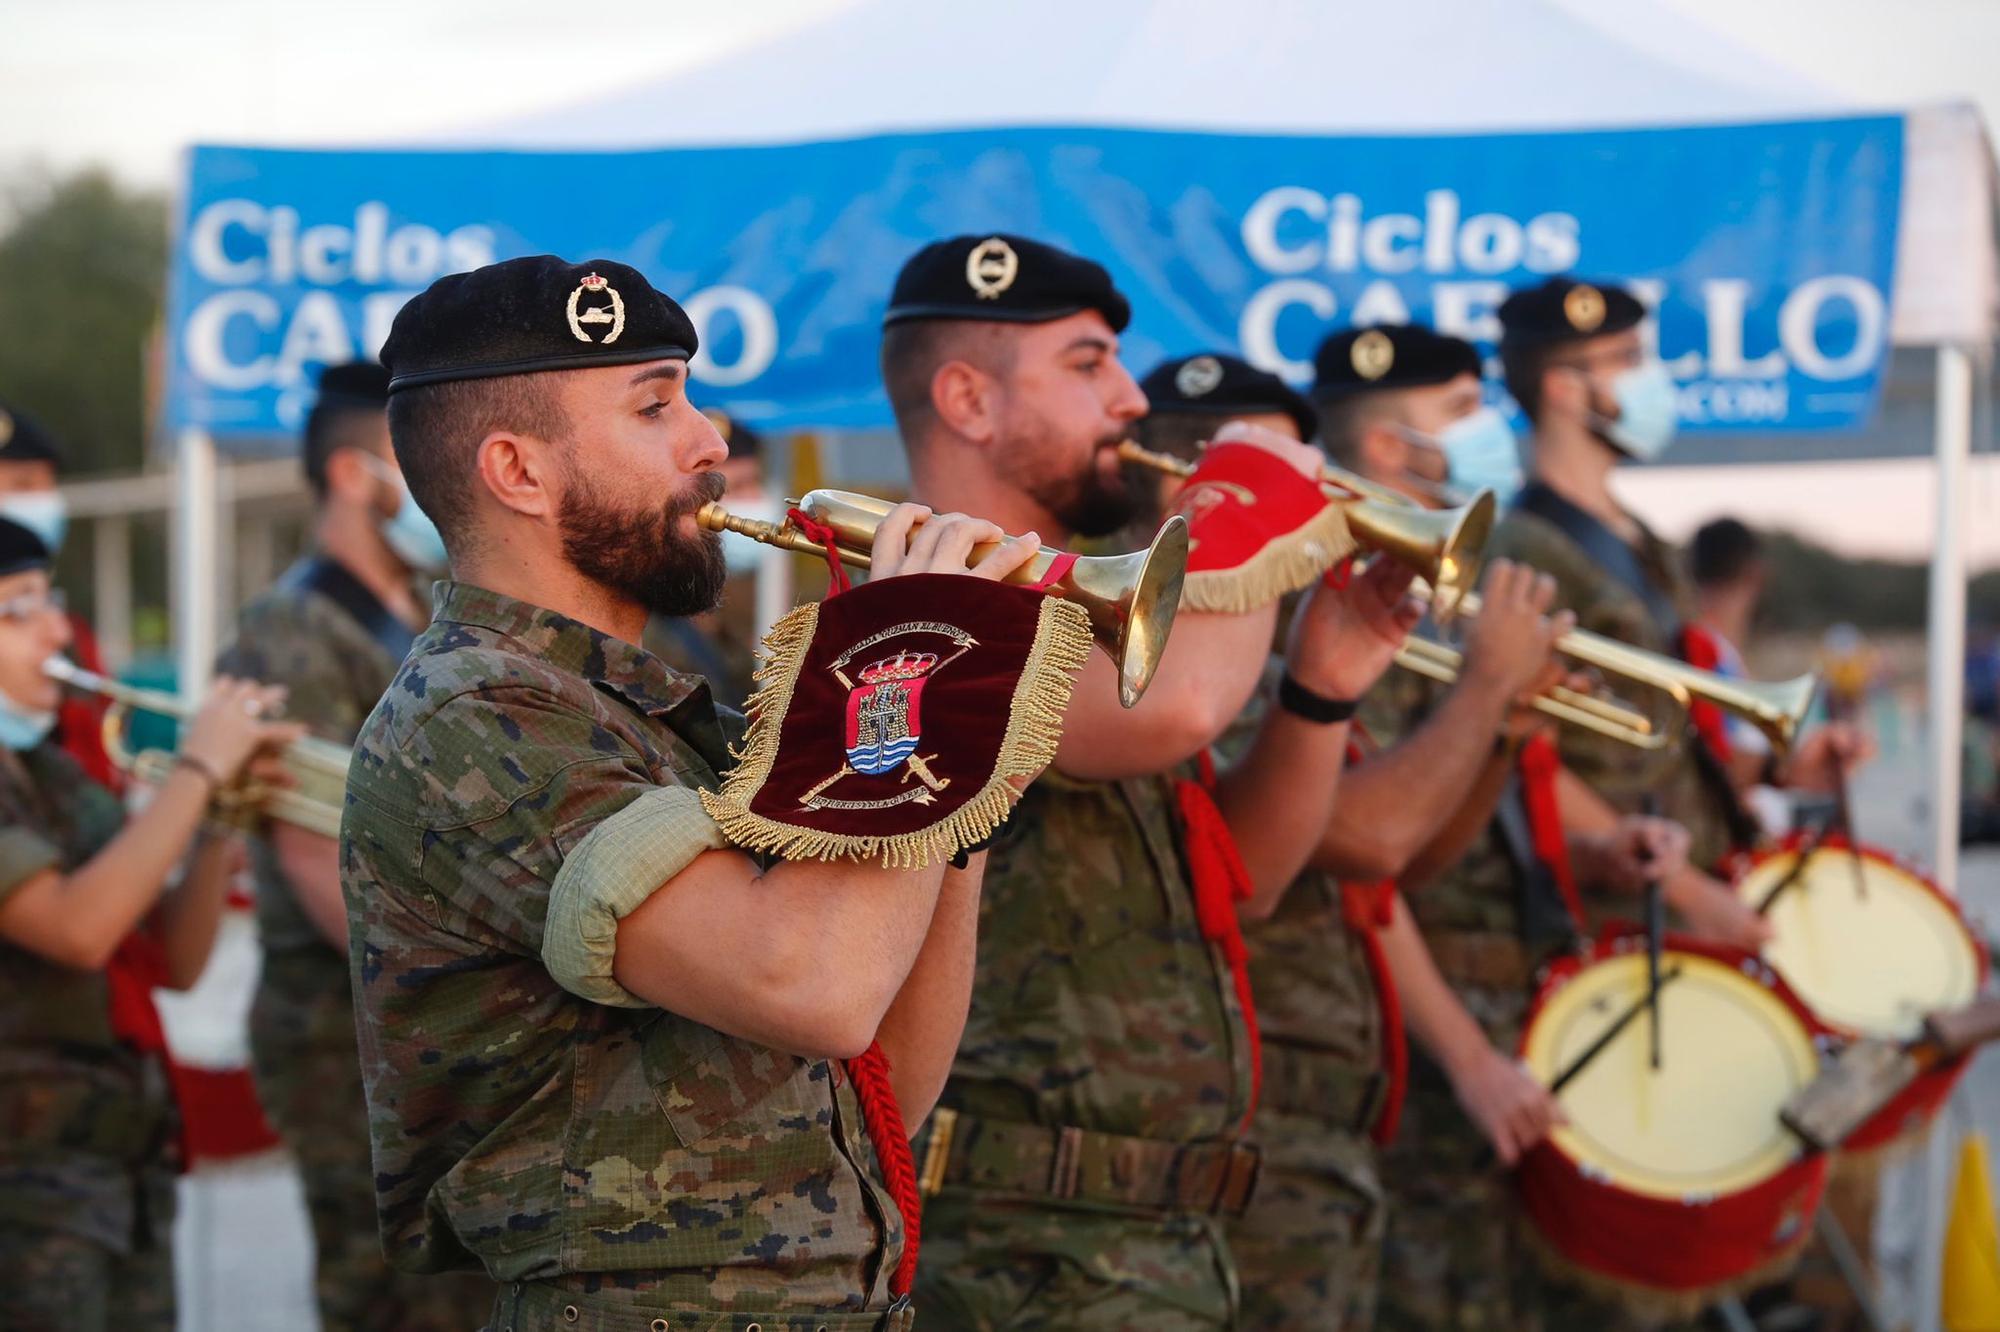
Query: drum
(1676,1184)
(1871,960)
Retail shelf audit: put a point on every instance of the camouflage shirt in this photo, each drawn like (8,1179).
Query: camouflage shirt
(1622,774)
(522,763)
(299,636)
(82,1115)
(1096,1002)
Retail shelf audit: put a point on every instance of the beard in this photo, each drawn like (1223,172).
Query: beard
(1091,501)
(639,552)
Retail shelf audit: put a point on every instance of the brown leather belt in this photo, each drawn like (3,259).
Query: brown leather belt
(1082,1165)
(536,1306)
(1325,1087)
(1489,959)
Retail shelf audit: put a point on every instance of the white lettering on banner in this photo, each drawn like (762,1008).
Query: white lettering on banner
(1469,310)
(1738,403)
(760,335)
(1380,303)
(1723,300)
(317,332)
(205,241)
(1257,328)
(207,335)
(1798,325)
(413,255)
(1442,240)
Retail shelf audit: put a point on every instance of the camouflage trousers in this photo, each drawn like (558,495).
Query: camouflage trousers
(536,1306)
(309,1078)
(1309,1249)
(992,1263)
(56,1282)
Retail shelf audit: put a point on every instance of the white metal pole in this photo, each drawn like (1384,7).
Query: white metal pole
(197,541)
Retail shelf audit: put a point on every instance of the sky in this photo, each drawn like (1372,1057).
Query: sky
(127,84)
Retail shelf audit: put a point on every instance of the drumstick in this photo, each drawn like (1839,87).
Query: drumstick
(1656,927)
(1609,1034)
(1792,875)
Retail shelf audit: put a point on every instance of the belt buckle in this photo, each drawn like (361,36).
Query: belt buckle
(1066,1164)
(1241,1169)
(937,1152)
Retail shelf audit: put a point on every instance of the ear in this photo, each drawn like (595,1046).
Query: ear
(348,478)
(963,398)
(1382,450)
(519,472)
(1564,389)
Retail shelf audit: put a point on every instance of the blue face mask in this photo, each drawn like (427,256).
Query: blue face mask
(409,531)
(1647,412)
(43,512)
(1480,454)
(21,729)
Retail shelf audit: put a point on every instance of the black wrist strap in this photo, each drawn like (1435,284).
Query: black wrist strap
(1300,701)
(966,853)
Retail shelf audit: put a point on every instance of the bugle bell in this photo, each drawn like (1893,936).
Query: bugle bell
(1131,599)
(317,768)
(1445,547)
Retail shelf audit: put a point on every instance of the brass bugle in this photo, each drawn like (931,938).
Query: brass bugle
(1778,708)
(317,768)
(1445,547)
(1131,599)
(1606,717)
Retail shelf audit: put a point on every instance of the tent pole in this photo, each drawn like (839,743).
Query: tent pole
(1947,604)
(197,546)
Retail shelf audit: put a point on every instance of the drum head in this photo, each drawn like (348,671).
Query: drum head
(1706,1122)
(1873,961)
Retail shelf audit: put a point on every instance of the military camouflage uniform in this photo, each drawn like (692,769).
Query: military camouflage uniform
(1092,1115)
(525,780)
(1308,1249)
(88,1133)
(1620,773)
(302,1019)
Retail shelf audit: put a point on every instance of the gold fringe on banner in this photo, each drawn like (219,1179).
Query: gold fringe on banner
(1282,567)
(1034,729)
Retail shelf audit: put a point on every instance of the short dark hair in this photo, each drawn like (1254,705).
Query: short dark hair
(914,350)
(332,425)
(1722,552)
(436,430)
(1344,416)
(1522,365)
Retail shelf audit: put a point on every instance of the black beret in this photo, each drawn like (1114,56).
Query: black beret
(20,549)
(1212,384)
(538,313)
(743,442)
(355,384)
(1390,356)
(1564,309)
(24,439)
(1004,279)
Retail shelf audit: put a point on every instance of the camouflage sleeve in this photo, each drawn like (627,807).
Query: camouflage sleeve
(280,642)
(24,853)
(516,783)
(620,864)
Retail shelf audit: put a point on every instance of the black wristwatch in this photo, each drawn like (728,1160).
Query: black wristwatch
(1300,701)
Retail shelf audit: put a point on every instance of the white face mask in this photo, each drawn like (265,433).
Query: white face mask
(43,512)
(409,531)
(1479,454)
(1648,412)
(21,729)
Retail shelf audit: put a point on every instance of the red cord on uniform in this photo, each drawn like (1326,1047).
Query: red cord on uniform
(1367,909)
(1539,762)
(883,1118)
(1220,882)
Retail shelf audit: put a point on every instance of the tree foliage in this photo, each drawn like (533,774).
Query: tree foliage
(82,274)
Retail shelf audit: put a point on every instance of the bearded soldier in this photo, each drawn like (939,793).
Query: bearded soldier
(1095,1139)
(624,1068)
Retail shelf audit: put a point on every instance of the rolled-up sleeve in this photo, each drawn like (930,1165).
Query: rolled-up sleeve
(621,863)
(24,853)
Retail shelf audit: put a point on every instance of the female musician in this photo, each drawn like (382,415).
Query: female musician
(88,927)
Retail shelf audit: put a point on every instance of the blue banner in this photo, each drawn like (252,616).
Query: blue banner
(1767,250)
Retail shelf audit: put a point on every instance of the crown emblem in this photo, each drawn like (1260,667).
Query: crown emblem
(902,666)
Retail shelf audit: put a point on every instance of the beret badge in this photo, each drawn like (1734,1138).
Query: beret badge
(1199,377)
(1373,354)
(991,268)
(1584,307)
(593,288)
